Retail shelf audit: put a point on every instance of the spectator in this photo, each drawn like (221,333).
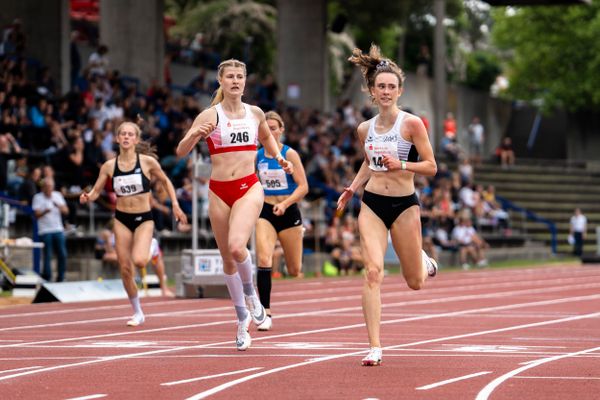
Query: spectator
(9,150)
(470,244)
(476,140)
(49,206)
(506,153)
(450,126)
(98,61)
(30,185)
(577,231)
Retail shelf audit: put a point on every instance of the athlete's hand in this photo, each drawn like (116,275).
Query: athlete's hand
(344,198)
(279,209)
(204,130)
(179,214)
(391,163)
(84,198)
(287,166)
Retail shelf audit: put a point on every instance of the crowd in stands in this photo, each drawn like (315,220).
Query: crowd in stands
(44,133)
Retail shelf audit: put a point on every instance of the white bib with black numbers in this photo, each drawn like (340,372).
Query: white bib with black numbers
(273,179)
(377,150)
(128,185)
(237,132)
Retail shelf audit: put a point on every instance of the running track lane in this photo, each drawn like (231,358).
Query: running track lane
(529,333)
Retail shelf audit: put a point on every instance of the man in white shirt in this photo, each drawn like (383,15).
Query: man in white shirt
(577,230)
(49,207)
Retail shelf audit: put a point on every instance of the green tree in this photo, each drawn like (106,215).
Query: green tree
(552,54)
(241,29)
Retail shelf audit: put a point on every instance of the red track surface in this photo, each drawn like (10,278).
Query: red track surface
(489,334)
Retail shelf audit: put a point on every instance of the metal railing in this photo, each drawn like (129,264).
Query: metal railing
(530,215)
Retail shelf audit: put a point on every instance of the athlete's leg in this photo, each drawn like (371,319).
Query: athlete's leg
(408,244)
(291,242)
(373,242)
(266,237)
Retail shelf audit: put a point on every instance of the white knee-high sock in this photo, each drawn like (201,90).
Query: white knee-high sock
(236,292)
(245,271)
(135,303)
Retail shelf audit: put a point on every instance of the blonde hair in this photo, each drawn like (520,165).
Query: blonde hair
(274,116)
(143,147)
(373,63)
(233,63)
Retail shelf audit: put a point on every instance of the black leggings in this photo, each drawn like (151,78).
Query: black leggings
(389,208)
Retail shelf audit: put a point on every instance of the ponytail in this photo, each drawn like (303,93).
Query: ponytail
(217,96)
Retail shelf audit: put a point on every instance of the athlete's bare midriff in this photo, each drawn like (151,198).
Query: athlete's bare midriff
(391,183)
(232,165)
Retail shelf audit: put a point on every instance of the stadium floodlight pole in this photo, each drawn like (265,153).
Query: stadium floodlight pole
(439,74)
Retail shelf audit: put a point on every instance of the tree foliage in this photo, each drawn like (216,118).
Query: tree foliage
(552,54)
(241,29)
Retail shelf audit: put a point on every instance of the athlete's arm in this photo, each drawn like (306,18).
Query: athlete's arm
(104,174)
(414,128)
(269,142)
(201,128)
(157,171)
(299,177)
(363,174)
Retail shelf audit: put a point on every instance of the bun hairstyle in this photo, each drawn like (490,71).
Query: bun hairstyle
(373,63)
(143,147)
(218,95)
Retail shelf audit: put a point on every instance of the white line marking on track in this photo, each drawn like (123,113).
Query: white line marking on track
(20,369)
(447,381)
(320,312)
(337,328)
(91,396)
(583,378)
(201,378)
(484,394)
(227,385)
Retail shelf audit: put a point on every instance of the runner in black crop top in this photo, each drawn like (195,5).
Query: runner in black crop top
(132,182)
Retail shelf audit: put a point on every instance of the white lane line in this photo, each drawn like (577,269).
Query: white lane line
(320,312)
(447,381)
(464,285)
(86,309)
(484,394)
(576,378)
(202,378)
(91,396)
(20,369)
(227,385)
(361,325)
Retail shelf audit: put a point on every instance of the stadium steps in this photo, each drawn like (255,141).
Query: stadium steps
(550,189)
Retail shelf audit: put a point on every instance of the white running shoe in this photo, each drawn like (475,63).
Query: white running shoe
(267,325)
(372,359)
(257,311)
(430,264)
(243,339)
(136,320)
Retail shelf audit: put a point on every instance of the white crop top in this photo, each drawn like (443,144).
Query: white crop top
(233,134)
(390,143)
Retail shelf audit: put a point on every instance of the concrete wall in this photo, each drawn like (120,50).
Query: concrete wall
(133,32)
(302,63)
(46,26)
